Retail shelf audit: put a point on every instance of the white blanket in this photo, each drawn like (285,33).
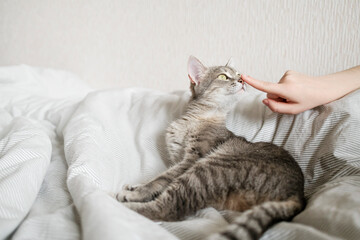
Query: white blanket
(66,149)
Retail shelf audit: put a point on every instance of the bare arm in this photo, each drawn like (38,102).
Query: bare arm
(297,92)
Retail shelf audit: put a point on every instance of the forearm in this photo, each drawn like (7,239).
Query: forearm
(342,83)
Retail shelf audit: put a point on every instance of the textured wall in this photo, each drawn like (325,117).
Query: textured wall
(147,43)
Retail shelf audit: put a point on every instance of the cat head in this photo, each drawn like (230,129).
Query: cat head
(220,84)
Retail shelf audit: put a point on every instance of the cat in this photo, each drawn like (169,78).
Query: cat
(214,168)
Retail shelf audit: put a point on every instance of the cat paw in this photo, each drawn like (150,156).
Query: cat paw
(121,197)
(131,194)
(128,187)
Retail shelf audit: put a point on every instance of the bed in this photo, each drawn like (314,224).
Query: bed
(66,149)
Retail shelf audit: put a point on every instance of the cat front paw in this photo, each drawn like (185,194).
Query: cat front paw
(130,196)
(121,197)
(133,194)
(126,195)
(128,187)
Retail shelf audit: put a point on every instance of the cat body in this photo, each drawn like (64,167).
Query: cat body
(211,167)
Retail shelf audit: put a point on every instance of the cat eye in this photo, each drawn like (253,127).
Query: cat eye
(222,77)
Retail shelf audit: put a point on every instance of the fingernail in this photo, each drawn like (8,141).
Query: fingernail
(266,102)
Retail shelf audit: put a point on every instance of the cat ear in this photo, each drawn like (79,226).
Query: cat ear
(195,69)
(230,63)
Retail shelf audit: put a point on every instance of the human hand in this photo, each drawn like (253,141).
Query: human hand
(295,92)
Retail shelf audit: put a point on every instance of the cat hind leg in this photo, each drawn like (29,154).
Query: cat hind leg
(254,222)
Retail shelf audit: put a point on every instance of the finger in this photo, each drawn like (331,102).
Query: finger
(261,85)
(282,107)
(274,96)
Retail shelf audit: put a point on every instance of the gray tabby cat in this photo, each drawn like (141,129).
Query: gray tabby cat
(214,168)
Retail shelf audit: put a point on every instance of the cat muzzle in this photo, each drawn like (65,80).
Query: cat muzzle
(243,87)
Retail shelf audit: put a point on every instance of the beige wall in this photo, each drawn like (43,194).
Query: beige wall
(135,43)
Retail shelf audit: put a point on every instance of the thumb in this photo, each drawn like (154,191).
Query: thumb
(268,87)
(281,107)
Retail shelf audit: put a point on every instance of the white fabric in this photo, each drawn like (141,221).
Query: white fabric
(65,150)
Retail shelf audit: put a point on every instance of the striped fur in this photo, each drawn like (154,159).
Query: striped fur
(214,168)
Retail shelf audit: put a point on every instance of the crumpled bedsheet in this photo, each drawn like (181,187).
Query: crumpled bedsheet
(66,149)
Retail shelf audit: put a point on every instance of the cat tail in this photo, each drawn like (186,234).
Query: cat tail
(254,222)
